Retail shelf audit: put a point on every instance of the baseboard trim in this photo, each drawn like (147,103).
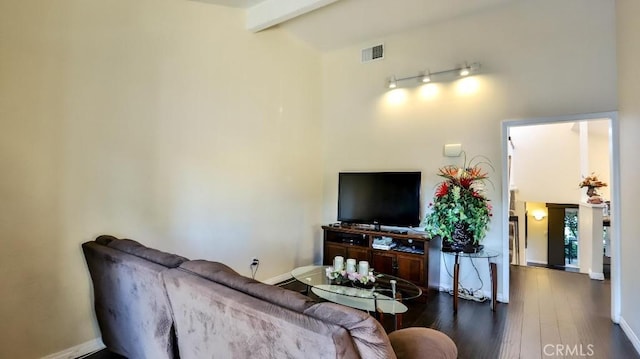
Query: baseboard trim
(277,279)
(633,338)
(79,350)
(282,277)
(537,262)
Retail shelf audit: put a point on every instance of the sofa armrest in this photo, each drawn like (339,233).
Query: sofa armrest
(411,343)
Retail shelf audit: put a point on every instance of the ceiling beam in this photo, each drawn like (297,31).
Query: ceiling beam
(269,13)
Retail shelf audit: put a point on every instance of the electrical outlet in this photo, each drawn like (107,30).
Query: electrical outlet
(254,261)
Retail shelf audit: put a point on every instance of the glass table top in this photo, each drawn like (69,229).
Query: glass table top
(485,253)
(362,298)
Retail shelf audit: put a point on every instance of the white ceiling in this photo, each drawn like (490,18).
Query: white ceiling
(350,22)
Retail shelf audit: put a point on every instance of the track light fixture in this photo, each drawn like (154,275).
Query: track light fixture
(465,71)
(392,83)
(428,76)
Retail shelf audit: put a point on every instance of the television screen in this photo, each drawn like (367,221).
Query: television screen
(380,198)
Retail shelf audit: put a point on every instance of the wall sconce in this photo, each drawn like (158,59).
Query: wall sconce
(428,76)
(538,215)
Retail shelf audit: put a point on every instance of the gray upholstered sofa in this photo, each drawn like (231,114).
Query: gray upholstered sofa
(201,309)
(130,301)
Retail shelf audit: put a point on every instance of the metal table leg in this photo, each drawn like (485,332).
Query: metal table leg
(456,275)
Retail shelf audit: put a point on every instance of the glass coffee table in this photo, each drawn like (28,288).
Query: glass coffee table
(385,297)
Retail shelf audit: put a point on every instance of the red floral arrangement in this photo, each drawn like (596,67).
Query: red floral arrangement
(459,201)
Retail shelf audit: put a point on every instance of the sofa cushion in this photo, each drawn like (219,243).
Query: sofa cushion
(367,333)
(222,274)
(150,254)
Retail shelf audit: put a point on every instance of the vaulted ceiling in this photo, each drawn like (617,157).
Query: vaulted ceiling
(332,24)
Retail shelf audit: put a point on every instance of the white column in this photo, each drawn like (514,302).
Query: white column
(590,248)
(584,157)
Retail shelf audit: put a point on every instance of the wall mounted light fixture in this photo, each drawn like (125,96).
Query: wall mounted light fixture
(428,76)
(539,214)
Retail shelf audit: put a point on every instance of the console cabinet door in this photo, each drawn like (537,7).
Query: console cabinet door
(346,251)
(410,268)
(331,250)
(358,253)
(383,262)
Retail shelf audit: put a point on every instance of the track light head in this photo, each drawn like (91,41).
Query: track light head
(426,78)
(392,83)
(465,71)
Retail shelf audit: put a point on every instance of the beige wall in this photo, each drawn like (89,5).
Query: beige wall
(542,58)
(163,121)
(629,106)
(546,163)
(537,234)
(547,160)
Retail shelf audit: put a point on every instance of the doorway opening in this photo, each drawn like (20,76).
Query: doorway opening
(558,184)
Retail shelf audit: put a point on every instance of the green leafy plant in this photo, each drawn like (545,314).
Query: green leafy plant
(459,203)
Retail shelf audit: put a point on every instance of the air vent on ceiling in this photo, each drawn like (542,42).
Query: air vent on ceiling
(373,53)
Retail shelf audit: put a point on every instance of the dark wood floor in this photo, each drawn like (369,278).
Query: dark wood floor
(551,314)
(547,307)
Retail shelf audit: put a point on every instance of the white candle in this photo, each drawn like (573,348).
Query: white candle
(363,267)
(338,263)
(351,265)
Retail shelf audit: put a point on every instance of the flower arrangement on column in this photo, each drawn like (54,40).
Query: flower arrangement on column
(592,183)
(460,211)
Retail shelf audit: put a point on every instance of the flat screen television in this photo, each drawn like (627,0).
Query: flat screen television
(379,198)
